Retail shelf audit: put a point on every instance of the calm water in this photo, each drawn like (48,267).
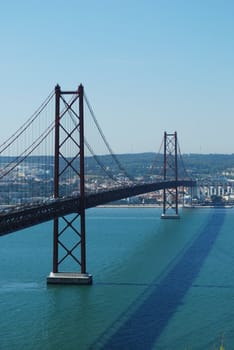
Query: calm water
(158,284)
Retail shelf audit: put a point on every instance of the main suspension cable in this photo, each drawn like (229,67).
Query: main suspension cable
(99,162)
(182,161)
(109,174)
(19,159)
(121,167)
(154,164)
(26,125)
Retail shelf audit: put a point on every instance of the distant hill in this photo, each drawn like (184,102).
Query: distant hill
(139,164)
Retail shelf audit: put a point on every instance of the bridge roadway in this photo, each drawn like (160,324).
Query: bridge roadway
(18,219)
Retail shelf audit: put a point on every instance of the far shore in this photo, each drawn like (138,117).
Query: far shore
(160,206)
(129,206)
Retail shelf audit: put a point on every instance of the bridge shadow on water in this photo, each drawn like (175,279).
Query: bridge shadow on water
(142,328)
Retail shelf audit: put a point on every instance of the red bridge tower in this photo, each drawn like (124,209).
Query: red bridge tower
(69,247)
(170,195)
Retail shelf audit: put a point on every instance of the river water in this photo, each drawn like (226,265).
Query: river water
(157,284)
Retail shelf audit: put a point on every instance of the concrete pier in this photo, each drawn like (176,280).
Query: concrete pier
(70,278)
(170,216)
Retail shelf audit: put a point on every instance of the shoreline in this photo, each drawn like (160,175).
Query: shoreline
(228,206)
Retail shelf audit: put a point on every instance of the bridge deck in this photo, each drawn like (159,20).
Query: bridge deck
(28,216)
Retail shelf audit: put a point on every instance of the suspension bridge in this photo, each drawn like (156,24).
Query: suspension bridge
(45,175)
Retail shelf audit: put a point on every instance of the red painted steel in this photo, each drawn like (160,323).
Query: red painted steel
(82,183)
(62,249)
(170,195)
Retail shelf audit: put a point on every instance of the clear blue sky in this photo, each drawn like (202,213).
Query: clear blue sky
(147,66)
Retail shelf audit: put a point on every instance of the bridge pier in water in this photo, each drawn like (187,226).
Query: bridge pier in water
(69,122)
(170,170)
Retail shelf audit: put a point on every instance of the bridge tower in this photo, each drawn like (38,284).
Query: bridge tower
(69,246)
(170,172)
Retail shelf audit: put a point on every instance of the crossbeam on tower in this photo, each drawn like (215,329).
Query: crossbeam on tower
(69,244)
(170,172)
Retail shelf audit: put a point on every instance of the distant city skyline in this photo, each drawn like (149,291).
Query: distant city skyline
(146,66)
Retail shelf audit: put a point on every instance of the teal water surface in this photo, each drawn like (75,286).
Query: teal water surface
(158,284)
